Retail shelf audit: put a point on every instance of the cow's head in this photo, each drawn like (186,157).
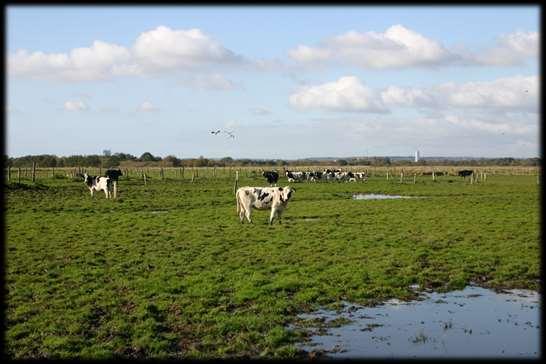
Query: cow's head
(286,193)
(87,179)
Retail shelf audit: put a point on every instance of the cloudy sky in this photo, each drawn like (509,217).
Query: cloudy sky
(287,82)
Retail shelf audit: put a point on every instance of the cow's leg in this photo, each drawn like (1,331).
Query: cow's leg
(272,216)
(242,214)
(92,190)
(248,212)
(107,193)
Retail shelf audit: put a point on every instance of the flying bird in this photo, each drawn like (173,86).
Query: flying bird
(215,132)
(230,134)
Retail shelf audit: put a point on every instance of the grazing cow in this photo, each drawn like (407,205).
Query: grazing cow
(96,183)
(262,198)
(465,172)
(271,176)
(295,176)
(363,176)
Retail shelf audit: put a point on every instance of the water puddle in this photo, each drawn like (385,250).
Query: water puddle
(373,196)
(473,322)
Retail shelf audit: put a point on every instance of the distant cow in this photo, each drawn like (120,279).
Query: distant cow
(96,183)
(465,172)
(262,198)
(271,176)
(113,174)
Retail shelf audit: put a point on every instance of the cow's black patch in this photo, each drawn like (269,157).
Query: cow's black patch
(280,188)
(263,195)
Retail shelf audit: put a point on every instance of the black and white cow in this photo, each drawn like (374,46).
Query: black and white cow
(96,183)
(465,172)
(271,176)
(113,174)
(262,198)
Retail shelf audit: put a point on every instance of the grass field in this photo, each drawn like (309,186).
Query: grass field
(167,270)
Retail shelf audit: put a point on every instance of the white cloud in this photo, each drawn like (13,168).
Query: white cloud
(492,126)
(518,92)
(156,50)
(398,46)
(515,94)
(345,94)
(80,64)
(260,111)
(75,105)
(166,48)
(511,49)
(210,82)
(147,106)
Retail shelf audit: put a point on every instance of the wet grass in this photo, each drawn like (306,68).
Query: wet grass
(91,278)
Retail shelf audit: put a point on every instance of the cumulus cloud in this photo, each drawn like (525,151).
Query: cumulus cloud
(511,49)
(516,93)
(157,50)
(345,94)
(75,105)
(166,48)
(147,106)
(398,46)
(80,64)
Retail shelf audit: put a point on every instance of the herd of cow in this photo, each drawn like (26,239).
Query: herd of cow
(314,176)
(248,198)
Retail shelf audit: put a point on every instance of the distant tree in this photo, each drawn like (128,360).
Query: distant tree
(147,157)
(107,152)
(342,162)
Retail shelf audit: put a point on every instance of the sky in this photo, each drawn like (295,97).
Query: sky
(279,82)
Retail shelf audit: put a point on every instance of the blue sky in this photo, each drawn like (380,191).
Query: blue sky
(289,82)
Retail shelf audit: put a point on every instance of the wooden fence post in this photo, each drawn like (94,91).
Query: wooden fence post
(33,172)
(115,189)
(144,177)
(401,177)
(9,173)
(161,174)
(387,174)
(214,172)
(414,177)
(236,181)
(433,176)
(182,172)
(19,175)
(192,174)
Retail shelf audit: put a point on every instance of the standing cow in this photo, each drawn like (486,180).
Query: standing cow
(96,183)
(262,198)
(271,176)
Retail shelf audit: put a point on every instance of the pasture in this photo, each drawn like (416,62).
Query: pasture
(168,271)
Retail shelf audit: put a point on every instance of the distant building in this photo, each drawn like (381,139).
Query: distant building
(416,156)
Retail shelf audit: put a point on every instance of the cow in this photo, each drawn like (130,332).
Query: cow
(262,198)
(465,172)
(113,174)
(271,176)
(294,176)
(96,183)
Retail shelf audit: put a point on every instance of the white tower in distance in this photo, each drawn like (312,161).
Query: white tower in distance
(416,156)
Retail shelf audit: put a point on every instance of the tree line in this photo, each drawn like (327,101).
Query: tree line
(147,159)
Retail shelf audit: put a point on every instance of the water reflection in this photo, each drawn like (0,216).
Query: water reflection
(474,322)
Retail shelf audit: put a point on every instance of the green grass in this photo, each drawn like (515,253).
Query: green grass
(167,270)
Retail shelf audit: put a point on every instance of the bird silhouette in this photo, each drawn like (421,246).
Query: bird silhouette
(230,134)
(215,132)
